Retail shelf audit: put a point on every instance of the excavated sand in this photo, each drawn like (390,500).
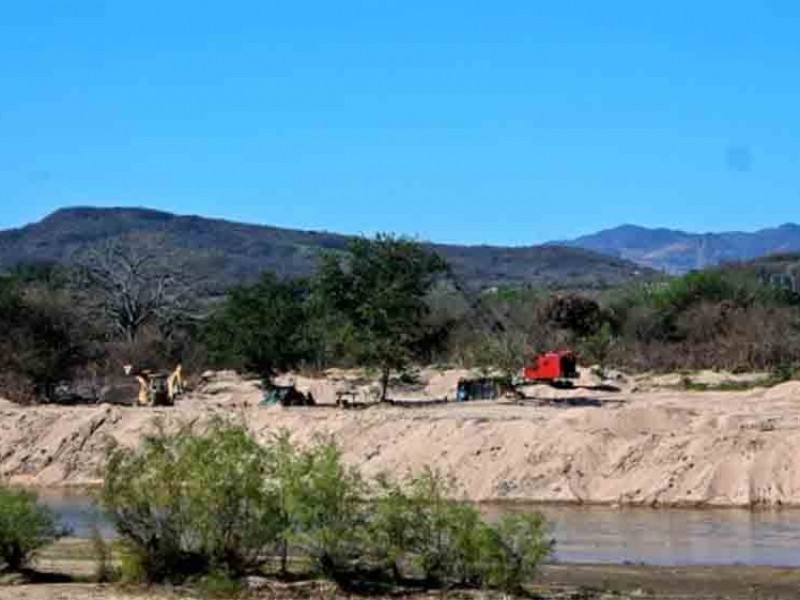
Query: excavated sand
(580,445)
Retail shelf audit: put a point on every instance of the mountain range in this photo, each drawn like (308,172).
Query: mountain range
(676,251)
(227,253)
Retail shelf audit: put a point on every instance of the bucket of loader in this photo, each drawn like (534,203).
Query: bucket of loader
(158,393)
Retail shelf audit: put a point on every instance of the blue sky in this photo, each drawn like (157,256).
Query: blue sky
(509,122)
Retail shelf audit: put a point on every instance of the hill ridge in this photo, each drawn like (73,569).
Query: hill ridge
(233,252)
(677,251)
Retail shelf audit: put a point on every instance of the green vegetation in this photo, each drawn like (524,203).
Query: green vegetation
(180,520)
(385,304)
(728,318)
(261,328)
(416,522)
(25,527)
(187,505)
(43,342)
(226,254)
(367,306)
(376,298)
(723,319)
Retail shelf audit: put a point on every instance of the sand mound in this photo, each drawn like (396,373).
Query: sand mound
(784,391)
(650,381)
(579,445)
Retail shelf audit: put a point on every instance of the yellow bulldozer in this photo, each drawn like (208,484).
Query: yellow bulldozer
(158,388)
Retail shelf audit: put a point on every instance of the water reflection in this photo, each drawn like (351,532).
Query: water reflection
(604,534)
(77,512)
(673,536)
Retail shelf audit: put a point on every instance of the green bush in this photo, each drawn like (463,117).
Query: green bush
(25,526)
(320,504)
(330,513)
(512,549)
(597,346)
(219,584)
(191,503)
(288,467)
(392,527)
(212,507)
(442,546)
(449,542)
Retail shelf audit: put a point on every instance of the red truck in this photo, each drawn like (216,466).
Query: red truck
(557,367)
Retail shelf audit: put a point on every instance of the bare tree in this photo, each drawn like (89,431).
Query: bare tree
(142,280)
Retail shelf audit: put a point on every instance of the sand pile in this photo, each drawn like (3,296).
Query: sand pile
(784,391)
(705,377)
(580,445)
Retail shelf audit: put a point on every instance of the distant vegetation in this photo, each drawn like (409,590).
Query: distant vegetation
(726,318)
(45,336)
(383,303)
(723,318)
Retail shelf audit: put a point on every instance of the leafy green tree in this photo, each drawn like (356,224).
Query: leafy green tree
(696,287)
(25,527)
(262,328)
(377,296)
(578,314)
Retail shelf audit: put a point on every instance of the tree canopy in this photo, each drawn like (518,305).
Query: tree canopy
(378,292)
(261,328)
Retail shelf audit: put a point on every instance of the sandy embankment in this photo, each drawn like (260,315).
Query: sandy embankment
(656,447)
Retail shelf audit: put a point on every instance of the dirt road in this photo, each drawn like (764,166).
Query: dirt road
(657,447)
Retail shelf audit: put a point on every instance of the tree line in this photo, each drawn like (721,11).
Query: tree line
(383,303)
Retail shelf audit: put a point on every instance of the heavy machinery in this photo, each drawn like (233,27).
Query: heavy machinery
(481,388)
(287,395)
(157,388)
(557,367)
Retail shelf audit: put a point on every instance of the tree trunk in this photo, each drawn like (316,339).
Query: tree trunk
(385,383)
(284,558)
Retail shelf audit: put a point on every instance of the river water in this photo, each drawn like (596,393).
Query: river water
(604,534)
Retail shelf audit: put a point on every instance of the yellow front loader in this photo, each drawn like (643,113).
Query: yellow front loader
(158,389)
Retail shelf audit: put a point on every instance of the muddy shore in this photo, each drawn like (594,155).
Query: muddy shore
(63,572)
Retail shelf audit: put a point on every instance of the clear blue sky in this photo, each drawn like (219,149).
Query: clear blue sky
(509,122)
